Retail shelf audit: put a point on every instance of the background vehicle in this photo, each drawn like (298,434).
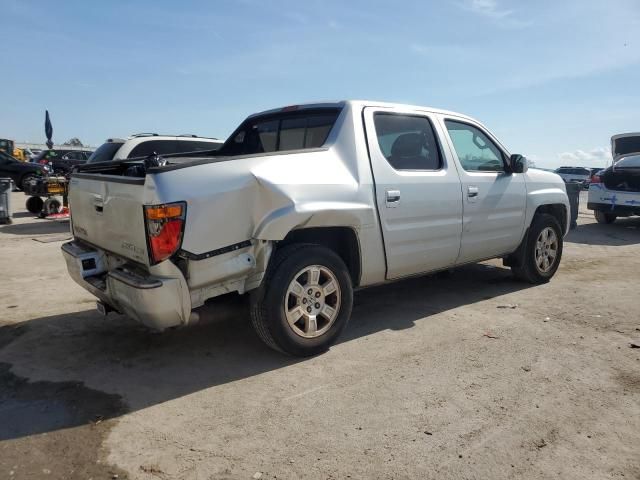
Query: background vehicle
(145,144)
(301,205)
(575,174)
(7,146)
(615,191)
(61,161)
(20,154)
(20,172)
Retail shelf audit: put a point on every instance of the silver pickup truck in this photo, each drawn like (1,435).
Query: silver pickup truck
(302,205)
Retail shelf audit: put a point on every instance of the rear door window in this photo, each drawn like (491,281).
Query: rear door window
(407,141)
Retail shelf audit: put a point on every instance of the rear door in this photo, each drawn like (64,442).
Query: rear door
(494,199)
(417,191)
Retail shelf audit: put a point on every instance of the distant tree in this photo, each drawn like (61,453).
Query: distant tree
(73,142)
(531,163)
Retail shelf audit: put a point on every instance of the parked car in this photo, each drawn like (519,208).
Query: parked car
(145,144)
(61,161)
(575,174)
(615,191)
(594,171)
(20,172)
(303,204)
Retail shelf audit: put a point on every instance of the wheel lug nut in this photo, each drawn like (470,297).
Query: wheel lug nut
(309,309)
(304,300)
(317,305)
(317,294)
(310,291)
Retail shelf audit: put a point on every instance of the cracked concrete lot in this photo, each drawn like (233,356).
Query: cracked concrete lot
(460,376)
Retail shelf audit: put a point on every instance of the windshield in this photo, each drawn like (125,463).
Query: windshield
(105,152)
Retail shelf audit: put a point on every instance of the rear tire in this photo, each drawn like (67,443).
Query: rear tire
(542,250)
(604,217)
(34,205)
(304,301)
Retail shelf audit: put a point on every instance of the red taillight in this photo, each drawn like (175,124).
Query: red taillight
(595,179)
(43,162)
(165,224)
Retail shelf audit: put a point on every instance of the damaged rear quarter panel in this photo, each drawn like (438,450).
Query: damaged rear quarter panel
(264,197)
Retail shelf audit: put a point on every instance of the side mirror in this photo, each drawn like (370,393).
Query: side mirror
(518,163)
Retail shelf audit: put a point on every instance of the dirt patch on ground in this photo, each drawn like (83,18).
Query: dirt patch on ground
(465,375)
(56,428)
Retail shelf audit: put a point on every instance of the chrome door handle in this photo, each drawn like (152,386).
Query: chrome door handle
(392,198)
(472,192)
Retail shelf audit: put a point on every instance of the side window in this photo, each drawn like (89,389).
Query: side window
(187,146)
(161,147)
(407,141)
(73,156)
(476,152)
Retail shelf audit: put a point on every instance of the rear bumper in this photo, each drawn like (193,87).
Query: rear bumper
(612,201)
(158,302)
(622,210)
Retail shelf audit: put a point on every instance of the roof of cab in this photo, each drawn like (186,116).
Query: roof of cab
(360,104)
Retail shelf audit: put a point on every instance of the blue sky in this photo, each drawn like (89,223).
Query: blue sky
(553,80)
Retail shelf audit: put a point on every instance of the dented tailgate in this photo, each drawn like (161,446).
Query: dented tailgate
(107,211)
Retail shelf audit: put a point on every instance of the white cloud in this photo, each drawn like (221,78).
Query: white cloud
(491,9)
(488,8)
(598,157)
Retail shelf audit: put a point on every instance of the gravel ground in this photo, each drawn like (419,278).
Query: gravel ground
(469,375)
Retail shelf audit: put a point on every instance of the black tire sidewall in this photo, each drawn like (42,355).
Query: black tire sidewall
(605,217)
(31,204)
(24,178)
(276,289)
(540,223)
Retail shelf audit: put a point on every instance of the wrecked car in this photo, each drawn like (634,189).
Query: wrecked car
(302,205)
(615,191)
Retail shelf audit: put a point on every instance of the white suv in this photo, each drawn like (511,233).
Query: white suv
(145,144)
(575,174)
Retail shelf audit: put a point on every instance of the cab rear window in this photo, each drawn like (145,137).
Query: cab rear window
(295,130)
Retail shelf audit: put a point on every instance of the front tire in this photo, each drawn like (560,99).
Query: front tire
(25,181)
(542,251)
(604,217)
(304,302)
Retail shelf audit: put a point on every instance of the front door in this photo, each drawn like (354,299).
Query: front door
(417,192)
(494,200)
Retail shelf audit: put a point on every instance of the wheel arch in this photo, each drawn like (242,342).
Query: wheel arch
(341,240)
(556,210)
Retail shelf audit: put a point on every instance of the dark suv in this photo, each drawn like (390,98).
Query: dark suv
(61,161)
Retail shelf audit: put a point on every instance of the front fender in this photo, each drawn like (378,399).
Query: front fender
(556,195)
